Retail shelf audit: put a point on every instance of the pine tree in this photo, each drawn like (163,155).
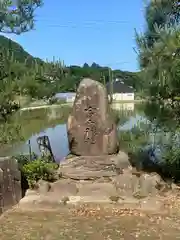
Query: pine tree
(159,49)
(17,16)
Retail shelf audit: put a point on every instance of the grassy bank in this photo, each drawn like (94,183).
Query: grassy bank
(31,107)
(130,101)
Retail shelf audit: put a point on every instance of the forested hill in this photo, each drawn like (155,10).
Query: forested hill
(18,51)
(73,73)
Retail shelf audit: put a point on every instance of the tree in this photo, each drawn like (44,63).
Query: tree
(17,16)
(159,15)
(159,49)
(159,58)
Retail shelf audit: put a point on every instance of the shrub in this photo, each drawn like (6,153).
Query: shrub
(171,161)
(10,133)
(39,169)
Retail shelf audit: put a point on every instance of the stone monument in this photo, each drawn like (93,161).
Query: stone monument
(91,130)
(10,183)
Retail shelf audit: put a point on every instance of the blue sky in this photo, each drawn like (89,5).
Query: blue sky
(100,31)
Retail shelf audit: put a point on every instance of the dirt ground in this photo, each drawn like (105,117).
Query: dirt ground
(85,223)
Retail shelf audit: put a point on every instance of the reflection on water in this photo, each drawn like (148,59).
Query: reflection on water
(39,122)
(132,122)
(58,139)
(123,106)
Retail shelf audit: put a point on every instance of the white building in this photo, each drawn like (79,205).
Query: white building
(120,91)
(68,97)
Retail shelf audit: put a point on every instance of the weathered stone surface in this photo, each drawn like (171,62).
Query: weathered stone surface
(91,130)
(10,183)
(97,189)
(43,187)
(31,192)
(121,161)
(63,188)
(139,186)
(126,184)
(151,184)
(88,168)
(89,199)
(152,204)
(35,200)
(175,189)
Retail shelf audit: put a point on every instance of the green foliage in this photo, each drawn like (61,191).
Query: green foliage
(17,16)
(162,69)
(158,50)
(10,133)
(171,157)
(134,140)
(23,160)
(39,169)
(158,15)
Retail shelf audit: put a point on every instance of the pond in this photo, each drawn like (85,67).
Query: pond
(52,122)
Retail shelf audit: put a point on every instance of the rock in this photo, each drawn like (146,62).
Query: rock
(91,131)
(88,199)
(126,184)
(65,200)
(30,192)
(175,188)
(85,174)
(43,187)
(33,198)
(114,198)
(88,168)
(97,189)
(150,184)
(63,188)
(10,183)
(121,161)
(103,180)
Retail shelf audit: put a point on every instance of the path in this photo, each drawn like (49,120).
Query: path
(45,106)
(87,223)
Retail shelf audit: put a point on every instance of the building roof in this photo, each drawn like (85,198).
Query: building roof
(65,95)
(119,87)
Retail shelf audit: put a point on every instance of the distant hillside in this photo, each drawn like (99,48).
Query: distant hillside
(100,73)
(18,51)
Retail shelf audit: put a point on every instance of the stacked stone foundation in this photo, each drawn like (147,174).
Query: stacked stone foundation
(10,183)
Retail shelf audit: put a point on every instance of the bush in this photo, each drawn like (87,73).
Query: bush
(39,169)
(10,133)
(171,161)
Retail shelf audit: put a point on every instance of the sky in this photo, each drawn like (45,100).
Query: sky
(76,32)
